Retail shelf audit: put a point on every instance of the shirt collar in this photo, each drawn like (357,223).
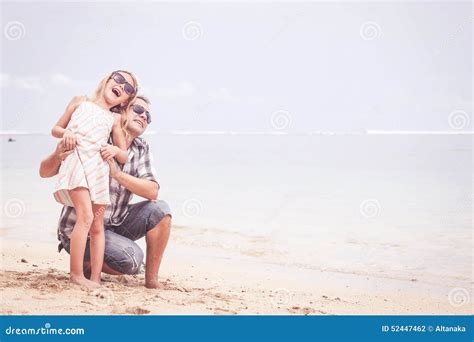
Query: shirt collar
(135,147)
(137,143)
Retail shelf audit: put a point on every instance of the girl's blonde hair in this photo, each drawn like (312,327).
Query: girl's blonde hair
(120,108)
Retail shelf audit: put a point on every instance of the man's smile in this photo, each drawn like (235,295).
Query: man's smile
(140,122)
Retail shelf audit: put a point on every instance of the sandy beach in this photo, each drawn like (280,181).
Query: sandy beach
(34,281)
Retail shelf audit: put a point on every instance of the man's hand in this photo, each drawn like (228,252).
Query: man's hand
(49,167)
(114,169)
(69,140)
(108,151)
(141,187)
(61,152)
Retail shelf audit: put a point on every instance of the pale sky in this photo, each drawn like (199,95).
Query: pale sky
(229,66)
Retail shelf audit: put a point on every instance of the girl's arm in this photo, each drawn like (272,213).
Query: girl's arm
(119,149)
(59,130)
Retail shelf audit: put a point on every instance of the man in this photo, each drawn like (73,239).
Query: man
(124,222)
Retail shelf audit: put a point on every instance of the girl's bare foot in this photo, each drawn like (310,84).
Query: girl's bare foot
(83,281)
(96,280)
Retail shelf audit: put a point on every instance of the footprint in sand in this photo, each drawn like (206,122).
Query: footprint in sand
(220,311)
(305,310)
(137,311)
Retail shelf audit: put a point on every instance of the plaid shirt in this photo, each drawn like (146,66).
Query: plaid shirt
(139,165)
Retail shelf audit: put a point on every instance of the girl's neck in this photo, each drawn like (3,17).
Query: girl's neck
(102,103)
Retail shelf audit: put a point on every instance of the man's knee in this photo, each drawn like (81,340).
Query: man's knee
(165,221)
(122,255)
(134,259)
(128,261)
(160,214)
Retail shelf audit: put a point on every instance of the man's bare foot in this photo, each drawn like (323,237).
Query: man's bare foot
(83,281)
(153,284)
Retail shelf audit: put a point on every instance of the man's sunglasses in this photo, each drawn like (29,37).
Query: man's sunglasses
(118,78)
(139,110)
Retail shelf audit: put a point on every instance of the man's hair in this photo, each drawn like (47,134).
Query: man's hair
(143,98)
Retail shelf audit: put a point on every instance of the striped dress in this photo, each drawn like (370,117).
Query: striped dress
(84,167)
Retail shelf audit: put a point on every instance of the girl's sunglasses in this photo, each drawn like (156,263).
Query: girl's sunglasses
(140,110)
(118,78)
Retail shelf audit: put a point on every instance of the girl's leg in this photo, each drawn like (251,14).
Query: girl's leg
(82,203)
(97,242)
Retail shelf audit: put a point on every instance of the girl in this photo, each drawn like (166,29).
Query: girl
(83,178)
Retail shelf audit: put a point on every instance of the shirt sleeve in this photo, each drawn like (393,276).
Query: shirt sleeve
(145,169)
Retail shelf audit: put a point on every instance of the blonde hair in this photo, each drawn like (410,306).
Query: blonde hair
(120,108)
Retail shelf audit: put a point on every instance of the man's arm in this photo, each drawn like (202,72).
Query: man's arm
(49,167)
(141,187)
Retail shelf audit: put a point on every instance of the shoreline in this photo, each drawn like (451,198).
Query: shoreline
(196,281)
